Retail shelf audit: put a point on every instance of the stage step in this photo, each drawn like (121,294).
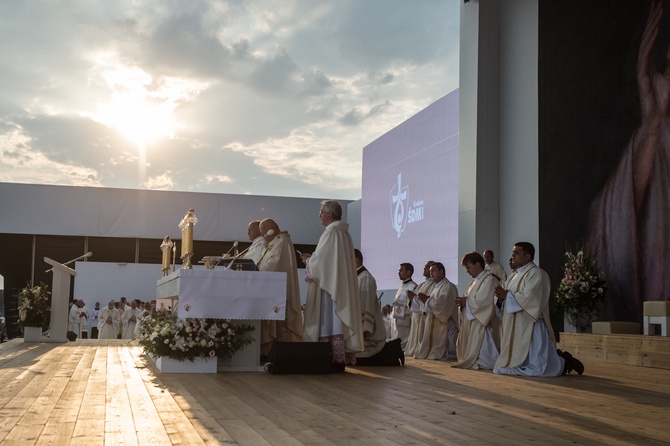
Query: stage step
(637,350)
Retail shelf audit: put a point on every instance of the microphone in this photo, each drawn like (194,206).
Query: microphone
(231,248)
(225,254)
(237,256)
(88,254)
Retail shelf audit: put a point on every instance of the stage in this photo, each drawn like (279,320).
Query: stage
(95,392)
(637,350)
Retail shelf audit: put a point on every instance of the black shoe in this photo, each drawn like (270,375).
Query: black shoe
(572,363)
(336,367)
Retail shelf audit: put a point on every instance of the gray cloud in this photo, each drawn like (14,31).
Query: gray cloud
(266,97)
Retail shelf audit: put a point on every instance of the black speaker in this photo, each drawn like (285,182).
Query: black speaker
(300,358)
(71,336)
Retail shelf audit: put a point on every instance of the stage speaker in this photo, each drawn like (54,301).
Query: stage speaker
(71,336)
(300,358)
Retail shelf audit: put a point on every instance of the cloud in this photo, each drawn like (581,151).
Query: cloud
(264,97)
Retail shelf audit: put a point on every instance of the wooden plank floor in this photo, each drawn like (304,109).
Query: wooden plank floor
(91,392)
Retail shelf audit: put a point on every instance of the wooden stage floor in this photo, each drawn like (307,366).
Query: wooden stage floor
(91,392)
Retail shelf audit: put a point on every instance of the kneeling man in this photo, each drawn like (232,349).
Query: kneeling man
(477,346)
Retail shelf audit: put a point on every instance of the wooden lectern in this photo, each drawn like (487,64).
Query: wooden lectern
(60,297)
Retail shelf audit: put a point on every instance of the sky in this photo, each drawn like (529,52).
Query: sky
(259,97)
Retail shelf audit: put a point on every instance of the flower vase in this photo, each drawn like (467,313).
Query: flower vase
(166,364)
(32,334)
(569,327)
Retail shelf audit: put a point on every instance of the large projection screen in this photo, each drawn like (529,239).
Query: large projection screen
(409,204)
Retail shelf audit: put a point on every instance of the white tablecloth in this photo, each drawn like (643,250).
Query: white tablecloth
(219,293)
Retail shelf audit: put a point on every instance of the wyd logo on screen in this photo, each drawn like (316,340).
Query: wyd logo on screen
(401,212)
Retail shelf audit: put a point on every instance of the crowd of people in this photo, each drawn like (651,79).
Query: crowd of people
(118,320)
(501,323)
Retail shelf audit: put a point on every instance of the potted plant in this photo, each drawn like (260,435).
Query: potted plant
(34,310)
(163,336)
(582,289)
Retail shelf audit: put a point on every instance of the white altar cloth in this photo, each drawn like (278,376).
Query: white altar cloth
(227,294)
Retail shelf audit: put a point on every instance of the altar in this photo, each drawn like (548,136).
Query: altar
(249,296)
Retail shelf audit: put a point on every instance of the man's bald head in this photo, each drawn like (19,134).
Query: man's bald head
(269,229)
(253,230)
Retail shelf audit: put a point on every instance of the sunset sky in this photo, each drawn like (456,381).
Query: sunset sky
(244,97)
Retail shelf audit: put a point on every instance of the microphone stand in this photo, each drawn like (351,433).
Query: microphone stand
(237,257)
(224,255)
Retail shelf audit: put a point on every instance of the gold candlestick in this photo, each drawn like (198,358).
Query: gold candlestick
(186,225)
(166,247)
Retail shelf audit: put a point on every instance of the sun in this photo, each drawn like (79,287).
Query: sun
(138,104)
(136,107)
(139,119)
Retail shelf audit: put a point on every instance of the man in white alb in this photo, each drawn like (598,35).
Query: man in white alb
(109,321)
(494,267)
(528,346)
(333,308)
(440,313)
(401,316)
(416,310)
(279,256)
(478,344)
(255,251)
(377,350)
(129,320)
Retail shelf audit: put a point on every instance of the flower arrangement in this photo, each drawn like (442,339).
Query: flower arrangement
(164,334)
(34,307)
(582,289)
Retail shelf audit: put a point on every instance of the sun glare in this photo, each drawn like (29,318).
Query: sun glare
(138,105)
(139,120)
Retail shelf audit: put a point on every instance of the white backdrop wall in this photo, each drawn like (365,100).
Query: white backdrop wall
(105,212)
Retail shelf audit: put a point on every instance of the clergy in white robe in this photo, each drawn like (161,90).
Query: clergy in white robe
(129,320)
(494,267)
(440,325)
(280,256)
(416,310)
(374,332)
(528,346)
(377,352)
(74,317)
(333,310)
(401,315)
(478,345)
(143,315)
(109,322)
(255,251)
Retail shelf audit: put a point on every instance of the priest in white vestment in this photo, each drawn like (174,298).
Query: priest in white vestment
(144,314)
(401,315)
(374,332)
(440,313)
(109,322)
(280,256)
(74,317)
(129,320)
(528,346)
(478,343)
(333,310)
(255,251)
(377,352)
(416,310)
(494,267)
